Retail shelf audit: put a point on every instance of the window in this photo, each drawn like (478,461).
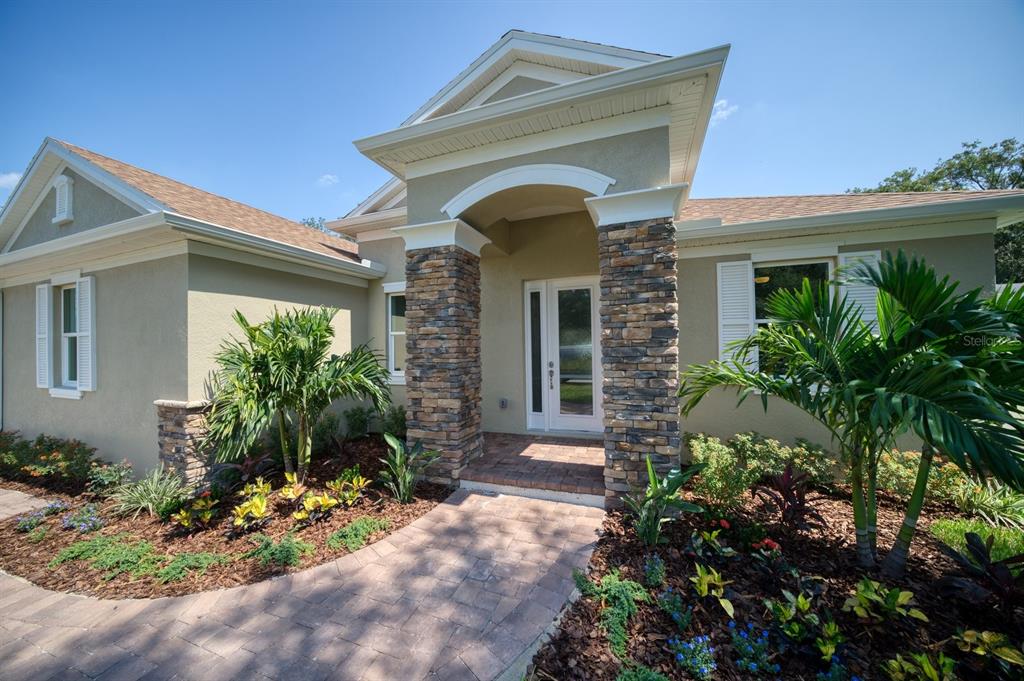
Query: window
(69,336)
(772,277)
(396,335)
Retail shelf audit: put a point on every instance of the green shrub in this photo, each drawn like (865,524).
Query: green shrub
(286,552)
(725,479)
(649,507)
(160,493)
(393,422)
(357,420)
(46,457)
(950,531)
(354,535)
(992,502)
(104,478)
(639,673)
(182,564)
(112,556)
(897,473)
(402,466)
(619,597)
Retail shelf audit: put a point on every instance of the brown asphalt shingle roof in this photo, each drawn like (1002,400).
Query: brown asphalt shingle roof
(195,203)
(758,208)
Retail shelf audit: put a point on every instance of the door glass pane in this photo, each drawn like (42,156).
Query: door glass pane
(575,353)
(536,367)
(70,314)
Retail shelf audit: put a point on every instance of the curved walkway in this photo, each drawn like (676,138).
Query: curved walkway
(460,593)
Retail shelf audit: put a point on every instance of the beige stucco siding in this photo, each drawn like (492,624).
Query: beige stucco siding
(91,207)
(968,259)
(543,248)
(391,254)
(637,160)
(216,288)
(140,357)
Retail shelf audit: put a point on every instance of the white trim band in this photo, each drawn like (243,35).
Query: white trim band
(555,174)
(442,233)
(637,205)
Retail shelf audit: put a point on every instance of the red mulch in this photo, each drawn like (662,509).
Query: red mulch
(21,557)
(579,649)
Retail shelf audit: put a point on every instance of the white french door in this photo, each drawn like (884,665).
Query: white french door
(563,357)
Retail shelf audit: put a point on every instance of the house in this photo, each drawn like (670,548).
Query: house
(534,266)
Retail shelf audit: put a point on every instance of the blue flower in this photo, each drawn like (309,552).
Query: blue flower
(732,625)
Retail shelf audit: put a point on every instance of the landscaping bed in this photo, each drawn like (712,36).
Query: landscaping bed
(820,562)
(208,558)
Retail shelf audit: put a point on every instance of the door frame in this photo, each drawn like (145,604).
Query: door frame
(548,419)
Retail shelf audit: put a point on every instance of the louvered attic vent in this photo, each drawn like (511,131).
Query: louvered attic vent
(62,187)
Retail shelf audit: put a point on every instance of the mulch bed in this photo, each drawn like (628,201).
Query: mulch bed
(20,556)
(579,649)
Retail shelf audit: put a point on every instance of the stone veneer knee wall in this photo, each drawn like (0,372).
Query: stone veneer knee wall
(442,370)
(639,351)
(181,425)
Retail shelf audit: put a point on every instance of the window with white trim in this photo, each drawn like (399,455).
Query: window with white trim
(69,336)
(770,277)
(396,334)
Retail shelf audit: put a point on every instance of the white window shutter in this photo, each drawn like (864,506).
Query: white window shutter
(735,306)
(86,289)
(864,295)
(44,347)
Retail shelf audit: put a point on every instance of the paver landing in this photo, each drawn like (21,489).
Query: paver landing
(458,594)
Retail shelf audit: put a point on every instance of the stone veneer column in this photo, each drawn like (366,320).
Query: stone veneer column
(442,331)
(180,427)
(639,334)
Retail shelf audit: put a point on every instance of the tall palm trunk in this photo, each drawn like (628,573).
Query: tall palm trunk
(896,561)
(865,557)
(305,446)
(871,501)
(282,433)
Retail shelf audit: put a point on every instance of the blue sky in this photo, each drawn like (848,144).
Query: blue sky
(260,101)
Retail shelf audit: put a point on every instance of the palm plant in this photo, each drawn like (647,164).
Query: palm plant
(649,506)
(402,467)
(283,369)
(942,364)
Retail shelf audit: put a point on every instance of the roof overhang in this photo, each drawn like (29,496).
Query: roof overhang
(155,231)
(686,86)
(1005,209)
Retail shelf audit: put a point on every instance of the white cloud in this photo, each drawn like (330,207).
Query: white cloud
(9,180)
(722,110)
(326,180)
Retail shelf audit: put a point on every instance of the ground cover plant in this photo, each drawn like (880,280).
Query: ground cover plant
(153,541)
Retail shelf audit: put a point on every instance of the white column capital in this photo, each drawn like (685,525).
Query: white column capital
(637,205)
(442,233)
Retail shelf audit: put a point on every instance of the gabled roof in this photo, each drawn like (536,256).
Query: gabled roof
(739,210)
(150,192)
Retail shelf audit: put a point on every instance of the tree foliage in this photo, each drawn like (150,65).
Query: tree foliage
(976,167)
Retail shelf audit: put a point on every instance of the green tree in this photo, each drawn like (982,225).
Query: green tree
(282,370)
(976,167)
(944,365)
(316,223)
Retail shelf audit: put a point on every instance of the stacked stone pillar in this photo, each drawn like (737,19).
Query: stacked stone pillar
(639,337)
(442,371)
(181,426)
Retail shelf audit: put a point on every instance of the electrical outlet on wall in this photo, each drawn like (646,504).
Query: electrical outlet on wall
(503,403)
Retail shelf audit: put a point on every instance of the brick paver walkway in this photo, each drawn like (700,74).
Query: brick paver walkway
(459,594)
(13,502)
(553,463)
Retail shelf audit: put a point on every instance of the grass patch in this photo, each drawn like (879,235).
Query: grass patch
(1008,541)
(37,535)
(288,551)
(182,564)
(354,535)
(113,556)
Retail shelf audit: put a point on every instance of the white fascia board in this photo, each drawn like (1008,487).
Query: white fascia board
(388,189)
(650,74)
(637,205)
(135,197)
(530,42)
(393,217)
(942,209)
(115,229)
(366,269)
(442,233)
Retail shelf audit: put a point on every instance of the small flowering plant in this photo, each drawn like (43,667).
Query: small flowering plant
(671,603)
(85,519)
(29,522)
(753,650)
(836,672)
(654,571)
(55,507)
(696,656)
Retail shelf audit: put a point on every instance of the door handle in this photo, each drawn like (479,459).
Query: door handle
(551,379)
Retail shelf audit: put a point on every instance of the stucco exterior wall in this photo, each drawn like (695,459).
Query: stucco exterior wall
(216,288)
(637,160)
(968,259)
(543,248)
(140,357)
(391,254)
(91,207)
